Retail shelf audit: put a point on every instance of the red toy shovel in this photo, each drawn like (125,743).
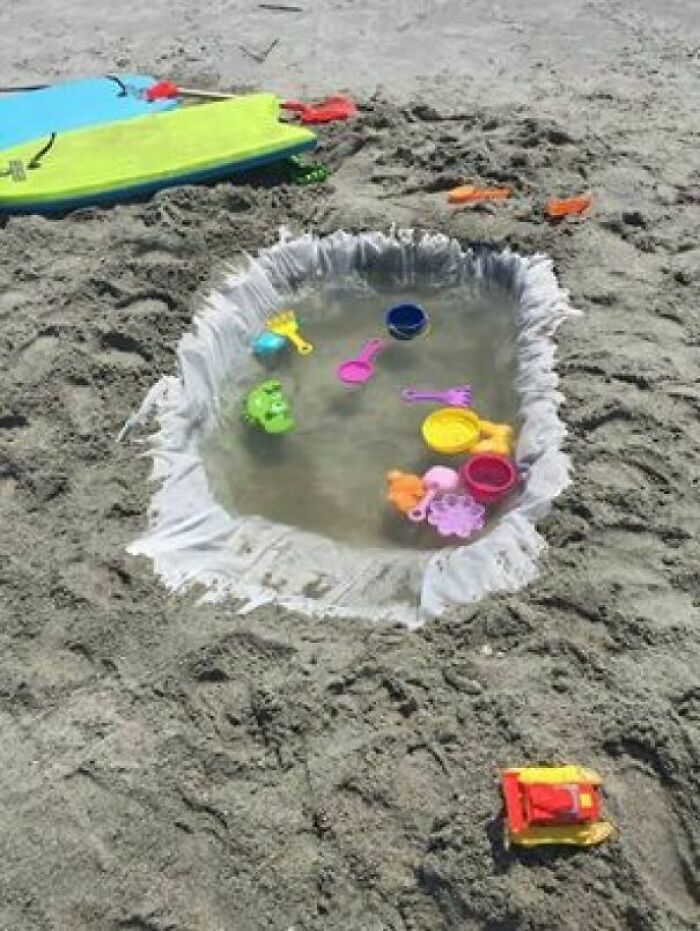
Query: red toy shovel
(336,107)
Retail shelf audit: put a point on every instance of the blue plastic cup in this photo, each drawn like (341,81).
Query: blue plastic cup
(406,321)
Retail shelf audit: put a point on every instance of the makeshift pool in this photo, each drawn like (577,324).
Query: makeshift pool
(301,518)
(327,475)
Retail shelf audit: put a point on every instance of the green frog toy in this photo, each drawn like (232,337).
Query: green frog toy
(266,407)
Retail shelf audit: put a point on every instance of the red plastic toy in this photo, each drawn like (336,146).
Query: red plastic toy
(553,805)
(161,90)
(488,477)
(337,107)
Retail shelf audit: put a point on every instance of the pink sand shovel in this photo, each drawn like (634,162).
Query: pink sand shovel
(360,369)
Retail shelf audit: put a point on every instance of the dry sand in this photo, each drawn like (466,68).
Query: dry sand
(166,766)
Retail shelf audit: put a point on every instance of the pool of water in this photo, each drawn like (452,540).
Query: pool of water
(328,475)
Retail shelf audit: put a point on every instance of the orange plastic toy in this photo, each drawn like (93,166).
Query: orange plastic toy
(404,490)
(556,209)
(553,805)
(470,195)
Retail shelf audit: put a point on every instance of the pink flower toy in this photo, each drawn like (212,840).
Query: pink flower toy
(456,515)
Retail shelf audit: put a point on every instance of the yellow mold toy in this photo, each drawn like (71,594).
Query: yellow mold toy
(453,430)
(495,438)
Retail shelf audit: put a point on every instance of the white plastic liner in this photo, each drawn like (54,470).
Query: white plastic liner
(192,540)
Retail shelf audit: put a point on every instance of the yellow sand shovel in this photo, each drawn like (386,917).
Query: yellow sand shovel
(285,324)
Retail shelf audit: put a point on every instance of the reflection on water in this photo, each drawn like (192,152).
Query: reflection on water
(328,475)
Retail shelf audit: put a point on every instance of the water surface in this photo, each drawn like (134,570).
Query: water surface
(328,475)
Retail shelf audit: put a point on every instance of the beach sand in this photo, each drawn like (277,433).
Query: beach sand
(171,767)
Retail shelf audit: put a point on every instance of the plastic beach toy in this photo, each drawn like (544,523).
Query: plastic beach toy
(451,430)
(437,480)
(458,396)
(495,438)
(266,407)
(488,477)
(304,174)
(470,195)
(406,321)
(335,107)
(285,324)
(455,515)
(553,805)
(268,344)
(569,206)
(161,90)
(404,490)
(360,369)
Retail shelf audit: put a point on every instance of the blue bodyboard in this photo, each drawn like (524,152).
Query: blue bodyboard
(27,115)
